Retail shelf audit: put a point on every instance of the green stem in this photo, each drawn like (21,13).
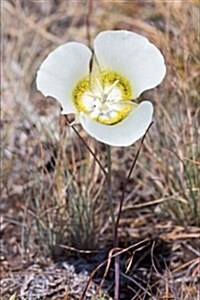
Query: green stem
(109,186)
(86,145)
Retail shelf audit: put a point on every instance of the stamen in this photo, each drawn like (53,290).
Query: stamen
(124,102)
(93,95)
(99,86)
(112,86)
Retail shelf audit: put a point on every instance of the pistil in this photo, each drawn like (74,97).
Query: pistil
(106,101)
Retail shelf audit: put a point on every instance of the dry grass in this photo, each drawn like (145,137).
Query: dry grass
(52,191)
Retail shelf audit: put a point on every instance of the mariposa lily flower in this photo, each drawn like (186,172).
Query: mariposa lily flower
(100,87)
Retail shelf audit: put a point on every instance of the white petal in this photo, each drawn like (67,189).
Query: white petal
(133,56)
(123,133)
(61,71)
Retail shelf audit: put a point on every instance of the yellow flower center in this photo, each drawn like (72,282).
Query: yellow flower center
(106,99)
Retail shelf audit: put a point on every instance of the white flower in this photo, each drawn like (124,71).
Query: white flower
(100,88)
